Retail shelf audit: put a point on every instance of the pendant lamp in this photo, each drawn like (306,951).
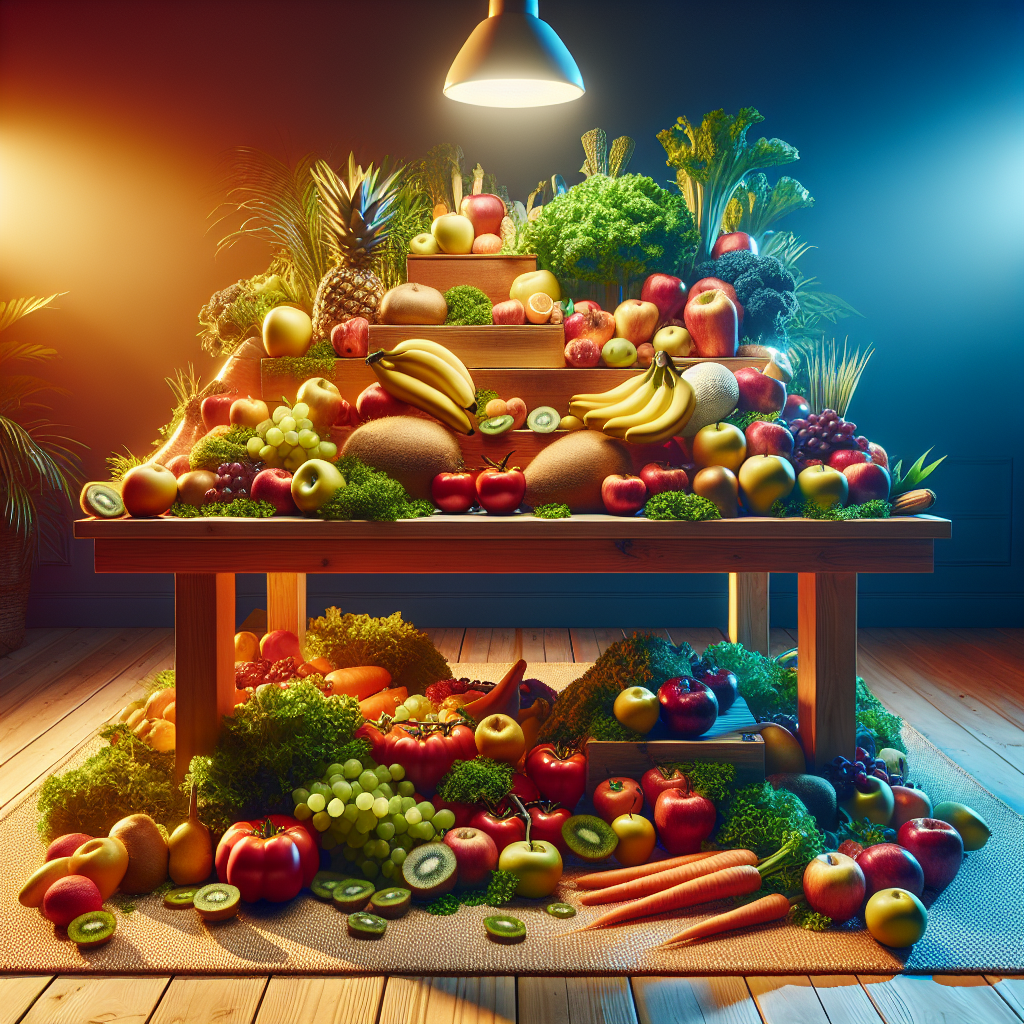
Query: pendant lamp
(513,59)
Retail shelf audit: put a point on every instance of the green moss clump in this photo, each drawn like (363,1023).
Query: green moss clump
(483,396)
(467,305)
(318,361)
(213,449)
(744,419)
(370,494)
(874,509)
(552,511)
(237,508)
(680,505)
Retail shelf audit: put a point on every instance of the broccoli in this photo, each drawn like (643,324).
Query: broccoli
(680,505)
(466,305)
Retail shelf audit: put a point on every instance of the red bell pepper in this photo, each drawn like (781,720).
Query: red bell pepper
(559,773)
(547,819)
(270,859)
(501,827)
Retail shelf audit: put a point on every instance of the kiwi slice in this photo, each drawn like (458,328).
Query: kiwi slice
(325,882)
(561,910)
(503,928)
(430,870)
(544,419)
(353,894)
(366,926)
(92,929)
(217,901)
(496,425)
(101,500)
(391,903)
(589,837)
(181,897)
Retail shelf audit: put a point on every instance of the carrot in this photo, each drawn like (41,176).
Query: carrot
(383,703)
(360,682)
(603,879)
(768,908)
(661,880)
(734,881)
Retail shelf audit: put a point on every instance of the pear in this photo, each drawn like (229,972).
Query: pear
(191,848)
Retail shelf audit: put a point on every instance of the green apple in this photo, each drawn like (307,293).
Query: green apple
(287,331)
(676,341)
(618,352)
(973,829)
(315,483)
(720,444)
(874,802)
(454,234)
(637,838)
(536,863)
(765,479)
(637,708)
(895,918)
(424,244)
(823,485)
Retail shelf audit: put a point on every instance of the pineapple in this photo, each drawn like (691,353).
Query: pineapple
(357,214)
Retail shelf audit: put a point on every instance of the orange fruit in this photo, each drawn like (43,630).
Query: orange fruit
(538,308)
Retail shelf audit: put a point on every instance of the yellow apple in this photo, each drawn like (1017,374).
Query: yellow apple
(247,647)
(765,479)
(105,861)
(636,839)
(719,485)
(424,244)
(454,234)
(287,331)
(248,412)
(676,341)
(315,483)
(535,281)
(720,444)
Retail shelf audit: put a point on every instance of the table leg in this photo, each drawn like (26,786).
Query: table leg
(204,661)
(748,610)
(827,660)
(286,602)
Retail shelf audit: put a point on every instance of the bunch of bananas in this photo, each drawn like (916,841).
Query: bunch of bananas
(648,408)
(429,377)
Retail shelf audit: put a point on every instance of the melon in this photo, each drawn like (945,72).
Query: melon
(571,471)
(412,303)
(411,450)
(715,392)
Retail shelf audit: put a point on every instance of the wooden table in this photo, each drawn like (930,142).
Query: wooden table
(205,554)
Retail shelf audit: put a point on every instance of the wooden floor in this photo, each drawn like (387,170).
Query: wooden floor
(962,688)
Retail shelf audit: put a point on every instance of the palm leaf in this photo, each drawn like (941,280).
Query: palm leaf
(902,482)
(26,351)
(15,309)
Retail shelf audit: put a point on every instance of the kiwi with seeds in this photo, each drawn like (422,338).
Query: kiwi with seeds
(92,929)
(504,928)
(544,419)
(366,926)
(182,897)
(325,882)
(589,837)
(352,895)
(101,500)
(430,870)
(391,903)
(495,425)
(561,910)
(217,901)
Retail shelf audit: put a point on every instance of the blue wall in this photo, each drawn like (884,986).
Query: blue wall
(909,121)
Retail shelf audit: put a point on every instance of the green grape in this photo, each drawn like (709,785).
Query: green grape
(342,790)
(406,842)
(291,437)
(385,790)
(316,802)
(354,789)
(320,787)
(383,773)
(413,816)
(286,423)
(307,439)
(386,830)
(327,841)
(335,808)
(300,410)
(398,856)
(407,802)
(402,714)
(302,812)
(294,459)
(395,805)
(342,826)
(368,780)
(382,849)
(300,795)
(355,840)
(263,426)
(369,869)
(426,809)
(387,869)
(328,449)
(253,446)
(306,424)
(406,788)
(275,437)
(284,450)
(380,807)
(401,825)
(352,768)
(279,413)
(334,769)
(364,801)
(367,821)
(268,453)
(321,821)
(351,812)
(444,819)
(377,793)
(397,772)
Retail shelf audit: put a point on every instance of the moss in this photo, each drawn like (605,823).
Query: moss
(680,505)
(318,361)
(214,448)
(553,511)
(237,508)
(467,305)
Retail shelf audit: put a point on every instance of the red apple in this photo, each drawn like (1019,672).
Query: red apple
(584,304)
(796,408)
(572,326)
(484,211)
(148,490)
(511,313)
(375,403)
(645,354)
(724,685)
(708,284)
(684,819)
(713,324)
(623,495)
(476,855)
(275,486)
(582,352)
(278,644)
(878,454)
(179,465)
(654,782)
(834,885)
(908,803)
(215,410)
(887,865)
(937,847)
(759,392)
(351,339)
(668,293)
(843,457)
(734,241)
(867,481)
(635,320)
(598,325)
(660,476)
(487,245)
(765,438)
(688,707)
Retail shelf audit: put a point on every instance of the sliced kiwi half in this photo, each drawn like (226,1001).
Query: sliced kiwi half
(392,902)
(362,925)
(504,928)
(353,894)
(544,419)
(430,870)
(217,901)
(92,929)
(181,897)
(101,500)
(589,837)
(325,882)
(560,910)
(495,425)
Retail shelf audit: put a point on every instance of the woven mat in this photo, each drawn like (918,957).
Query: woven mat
(977,924)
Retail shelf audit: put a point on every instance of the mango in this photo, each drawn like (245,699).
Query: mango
(105,861)
(33,891)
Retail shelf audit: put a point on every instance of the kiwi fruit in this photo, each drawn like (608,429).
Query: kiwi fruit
(217,901)
(430,870)
(352,895)
(101,500)
(495,425)
(325,882)
(544,419)
(148,854)
(392,902)
(561,910)
(92,929)
(570,471)
(366,926)
(504,928)
(412,304)
(181,897)
(589,837)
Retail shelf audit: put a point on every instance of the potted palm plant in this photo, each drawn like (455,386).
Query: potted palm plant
(38,471)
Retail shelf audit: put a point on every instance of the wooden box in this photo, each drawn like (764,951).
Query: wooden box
(532,345)
(493,275)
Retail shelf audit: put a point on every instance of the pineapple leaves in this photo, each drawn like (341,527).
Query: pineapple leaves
(903,482)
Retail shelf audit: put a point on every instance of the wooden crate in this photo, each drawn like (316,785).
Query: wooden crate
(530,346)
(493,275)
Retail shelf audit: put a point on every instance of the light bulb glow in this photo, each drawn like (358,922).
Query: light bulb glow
(513,92)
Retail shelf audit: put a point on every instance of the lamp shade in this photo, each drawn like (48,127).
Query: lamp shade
(513,59)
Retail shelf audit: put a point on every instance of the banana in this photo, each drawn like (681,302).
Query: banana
(639,399)
(423,345)
(671,421)
(422,395)
(581,404)
(438,372)
(657,406)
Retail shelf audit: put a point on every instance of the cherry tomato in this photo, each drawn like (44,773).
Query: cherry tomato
(270,859)
(618,796)
(546,821)
(558,773)
(503,830)
(454,492)
(500,489)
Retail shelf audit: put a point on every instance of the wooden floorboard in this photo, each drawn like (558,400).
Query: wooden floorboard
(844,1000)
(942,999)
(224,999)
(18,992)
(36,641)
(787,999)
(543,1000)
(124,999)
(447,641)
(321,1000)
(696,1000)
(1011,988)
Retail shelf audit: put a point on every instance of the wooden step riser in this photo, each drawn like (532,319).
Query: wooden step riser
(493,275)
(532,345)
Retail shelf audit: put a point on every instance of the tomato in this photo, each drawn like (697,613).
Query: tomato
(501,490)
(425,750)
(454,492)
(657,780)
(503,829)
(270,859)
(546,821)
(618,796)
(558,773)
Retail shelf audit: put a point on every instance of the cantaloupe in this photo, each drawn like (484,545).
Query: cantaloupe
(571,471)
(715,391)
(411,450)
(412,303)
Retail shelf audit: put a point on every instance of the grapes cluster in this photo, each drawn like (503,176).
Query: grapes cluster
(845,775)
(234,479)
(444,688)
(256,673)
(819,434)
(368,816)
(288,439)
